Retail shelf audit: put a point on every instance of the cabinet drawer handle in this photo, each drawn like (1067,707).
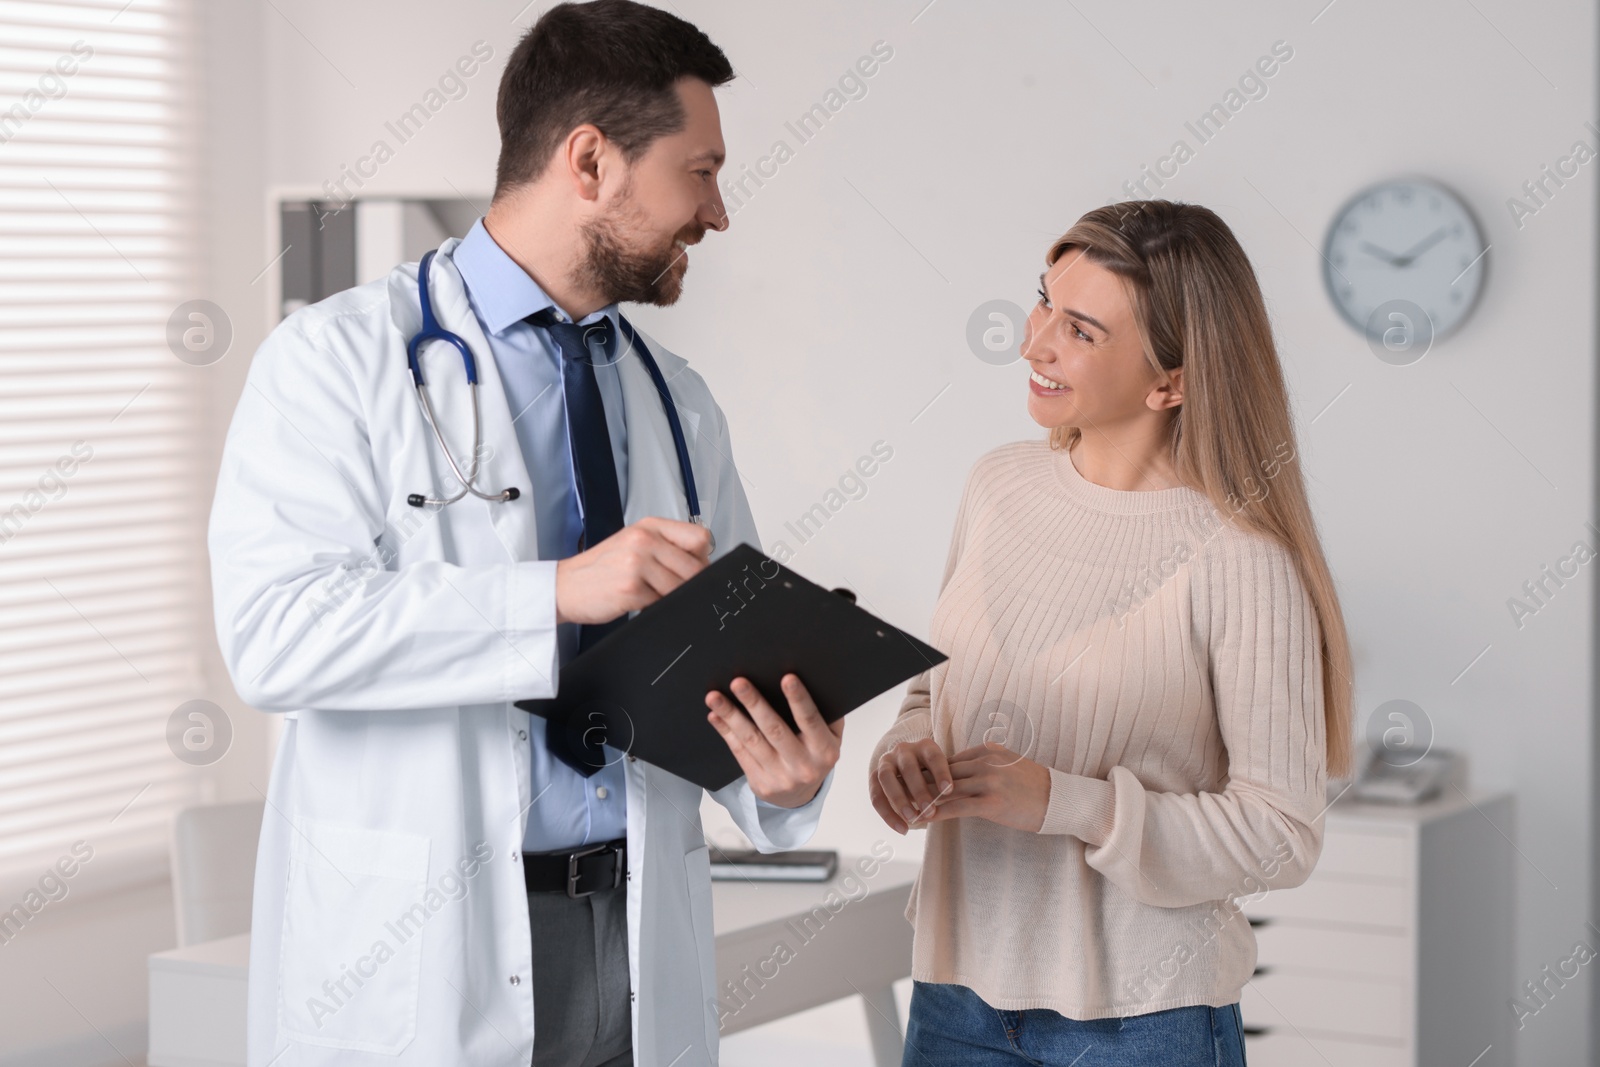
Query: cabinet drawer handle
(1259,922)
(1256,1031)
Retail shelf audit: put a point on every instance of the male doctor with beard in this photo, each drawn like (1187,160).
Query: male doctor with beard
(442,878)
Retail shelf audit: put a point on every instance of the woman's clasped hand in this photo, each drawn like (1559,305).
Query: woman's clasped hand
(914,785)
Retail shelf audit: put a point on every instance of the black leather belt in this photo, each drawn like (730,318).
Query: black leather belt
(579,872)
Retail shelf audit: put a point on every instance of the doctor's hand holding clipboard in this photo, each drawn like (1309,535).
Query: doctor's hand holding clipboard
(642,563)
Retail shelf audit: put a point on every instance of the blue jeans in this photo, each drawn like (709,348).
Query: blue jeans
(951,1026)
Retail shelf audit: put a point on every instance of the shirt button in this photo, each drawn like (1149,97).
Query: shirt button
(516,979)
(601,792)
(522,735)
(633,759)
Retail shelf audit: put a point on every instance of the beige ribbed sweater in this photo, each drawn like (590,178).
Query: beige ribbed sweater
(1164,666)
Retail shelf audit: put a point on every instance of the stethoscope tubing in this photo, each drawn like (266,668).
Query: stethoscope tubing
(432,331)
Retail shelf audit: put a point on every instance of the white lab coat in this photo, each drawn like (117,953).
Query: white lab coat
(390,917)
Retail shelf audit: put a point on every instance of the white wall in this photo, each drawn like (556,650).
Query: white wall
(835,310)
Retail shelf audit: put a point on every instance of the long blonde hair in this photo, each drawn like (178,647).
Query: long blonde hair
(1198,306)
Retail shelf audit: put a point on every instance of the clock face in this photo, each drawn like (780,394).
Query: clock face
(1404,247)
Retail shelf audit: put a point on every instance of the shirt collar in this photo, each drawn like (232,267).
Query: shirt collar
(502,292)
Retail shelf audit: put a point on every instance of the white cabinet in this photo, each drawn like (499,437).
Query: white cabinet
(1397,951)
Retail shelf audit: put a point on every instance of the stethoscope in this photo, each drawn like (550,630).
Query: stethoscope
(432,331)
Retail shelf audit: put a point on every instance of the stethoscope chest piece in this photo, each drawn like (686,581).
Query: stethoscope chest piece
(699,520)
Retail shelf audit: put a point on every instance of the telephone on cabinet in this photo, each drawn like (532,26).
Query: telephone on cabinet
(1398,776)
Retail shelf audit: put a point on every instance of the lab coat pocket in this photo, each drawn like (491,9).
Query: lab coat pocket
(697,869)
(351,954)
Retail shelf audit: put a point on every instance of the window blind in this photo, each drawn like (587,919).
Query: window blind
(101,517)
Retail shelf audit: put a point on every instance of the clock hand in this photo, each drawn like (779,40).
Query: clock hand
(1416,250)
(1381,253)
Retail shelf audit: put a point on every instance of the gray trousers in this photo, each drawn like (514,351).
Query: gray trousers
(582,1010)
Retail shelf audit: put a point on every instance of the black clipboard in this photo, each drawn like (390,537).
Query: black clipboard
(644,685)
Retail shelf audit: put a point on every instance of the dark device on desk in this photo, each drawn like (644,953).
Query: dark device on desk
(796,865)
(745,615)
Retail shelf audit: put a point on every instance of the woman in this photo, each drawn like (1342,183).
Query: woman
(1149,678)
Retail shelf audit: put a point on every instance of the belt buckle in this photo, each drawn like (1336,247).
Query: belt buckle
(572,871)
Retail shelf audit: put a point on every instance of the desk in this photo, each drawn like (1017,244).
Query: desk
(197,1004)
(855,947)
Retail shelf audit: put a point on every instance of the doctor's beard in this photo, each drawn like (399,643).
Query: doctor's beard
(624,273)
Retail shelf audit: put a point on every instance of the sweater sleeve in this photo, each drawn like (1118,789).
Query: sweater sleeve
(915,720)
(1261,645)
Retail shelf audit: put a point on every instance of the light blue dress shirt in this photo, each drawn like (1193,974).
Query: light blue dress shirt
(568,810)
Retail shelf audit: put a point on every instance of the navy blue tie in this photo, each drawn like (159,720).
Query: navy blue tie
(595,466)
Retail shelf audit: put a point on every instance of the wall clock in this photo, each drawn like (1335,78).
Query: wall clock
(1404,255)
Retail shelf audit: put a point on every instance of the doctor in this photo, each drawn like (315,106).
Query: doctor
(443,879)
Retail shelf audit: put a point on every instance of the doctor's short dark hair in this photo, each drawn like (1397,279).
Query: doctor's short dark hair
(611,63)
